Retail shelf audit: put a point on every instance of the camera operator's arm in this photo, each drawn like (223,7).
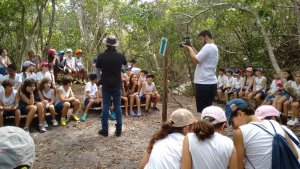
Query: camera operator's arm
(192,54)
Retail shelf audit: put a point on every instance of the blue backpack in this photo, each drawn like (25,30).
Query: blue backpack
(282,154)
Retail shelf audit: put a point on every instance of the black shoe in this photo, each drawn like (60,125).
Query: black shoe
(103,132)
(146,112)
(118,132)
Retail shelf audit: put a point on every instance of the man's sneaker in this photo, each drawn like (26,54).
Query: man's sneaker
(26,130)
(42,129)
(83,118)
(63,122)
(138,114)
(103,132)
(75,118)
(54,122)
(113,116)
(146,112)
(291,123)
(132,113)
(45,124)
(118,132)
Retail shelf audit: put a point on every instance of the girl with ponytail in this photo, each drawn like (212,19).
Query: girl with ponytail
(165,147)
(206,147)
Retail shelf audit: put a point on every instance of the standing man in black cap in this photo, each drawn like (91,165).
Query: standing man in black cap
(110,63)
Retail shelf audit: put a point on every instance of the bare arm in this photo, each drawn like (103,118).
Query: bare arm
(144,160)
(192,54)
(41,96)
(186,161)
(291,145)
(233,160)
(239,145)
(17,99)
(29,101)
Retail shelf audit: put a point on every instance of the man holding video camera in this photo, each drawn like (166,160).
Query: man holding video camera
(205,74)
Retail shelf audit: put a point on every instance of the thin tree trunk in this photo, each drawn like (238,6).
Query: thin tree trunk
(297,14)
(47,44)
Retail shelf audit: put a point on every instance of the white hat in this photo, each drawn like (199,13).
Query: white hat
(69,50)
(215,112)
(28,63)
(111,41)
(17,148)
(181,118)
(135,70)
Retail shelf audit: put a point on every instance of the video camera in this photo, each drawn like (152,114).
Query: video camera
(186,41)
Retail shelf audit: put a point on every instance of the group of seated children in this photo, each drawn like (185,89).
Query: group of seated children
(254,90)
(137,89)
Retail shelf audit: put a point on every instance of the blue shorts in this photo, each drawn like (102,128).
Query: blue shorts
(283,94)
(3,71)
(22,108)
(236,90)
(244,89)
(9,113)
(143,98)
(87,100)
(270,98)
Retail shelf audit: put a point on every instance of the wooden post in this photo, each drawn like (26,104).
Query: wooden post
(165,86)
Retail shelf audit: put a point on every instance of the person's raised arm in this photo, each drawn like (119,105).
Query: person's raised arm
(186,161)
(191,53)
(239,145)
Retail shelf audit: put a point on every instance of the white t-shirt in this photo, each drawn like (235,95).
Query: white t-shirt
(296,87)
(48,95)
(205,72)
(92,88)
(238,82)
(65,94)
(40,76)
(166,153)
(273,87)
(212,153)
(70,62)
(229,81)
(258,144)
(16,81)
(78,62)
(221,80)
(28,76)
(10,100)
(259,83)
(4,60)
(1,92)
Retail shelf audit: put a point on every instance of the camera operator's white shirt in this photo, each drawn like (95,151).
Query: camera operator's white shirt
(205,72)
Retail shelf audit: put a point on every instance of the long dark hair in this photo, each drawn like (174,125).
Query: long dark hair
(131,83)
(43,82)
(290,75)
(162,133)
(203,129)
(27,82)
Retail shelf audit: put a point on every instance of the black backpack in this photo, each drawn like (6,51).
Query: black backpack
(282,154)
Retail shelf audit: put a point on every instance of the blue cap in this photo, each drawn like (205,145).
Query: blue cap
(60,52)
(234,104)
(229,71)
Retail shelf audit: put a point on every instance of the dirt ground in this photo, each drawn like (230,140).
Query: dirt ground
(78,146)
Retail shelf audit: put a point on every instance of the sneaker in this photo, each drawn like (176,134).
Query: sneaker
(118,132)
(138,114)
(146,112)
(103,132)
(42,128)
(291,123)
(155,108)
(132,113)
(83,118)
(84,82)
(54,122)
(63,122)
(75,118)
(26,130)
(113,116)
(45,124)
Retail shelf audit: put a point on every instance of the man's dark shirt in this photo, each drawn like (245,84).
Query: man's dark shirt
(110,62)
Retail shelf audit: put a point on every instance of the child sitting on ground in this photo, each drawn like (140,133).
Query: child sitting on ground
(9,103)
(30,104)
(65,100)
(91,96)
(81,72)
(221,79)
(70,64)
(237,83)
(247,84)
(134,87)
(228,84)
(149,93)
(47,96)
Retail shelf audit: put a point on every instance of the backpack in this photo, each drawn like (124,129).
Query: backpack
(282,154)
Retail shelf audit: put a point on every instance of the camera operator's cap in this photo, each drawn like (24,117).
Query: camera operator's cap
(249,69)
(150,76)
(28,63)
(266,111)
(233,105)
(111,41)
(181,118)
(69,50)
(215,112)
(17,147)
